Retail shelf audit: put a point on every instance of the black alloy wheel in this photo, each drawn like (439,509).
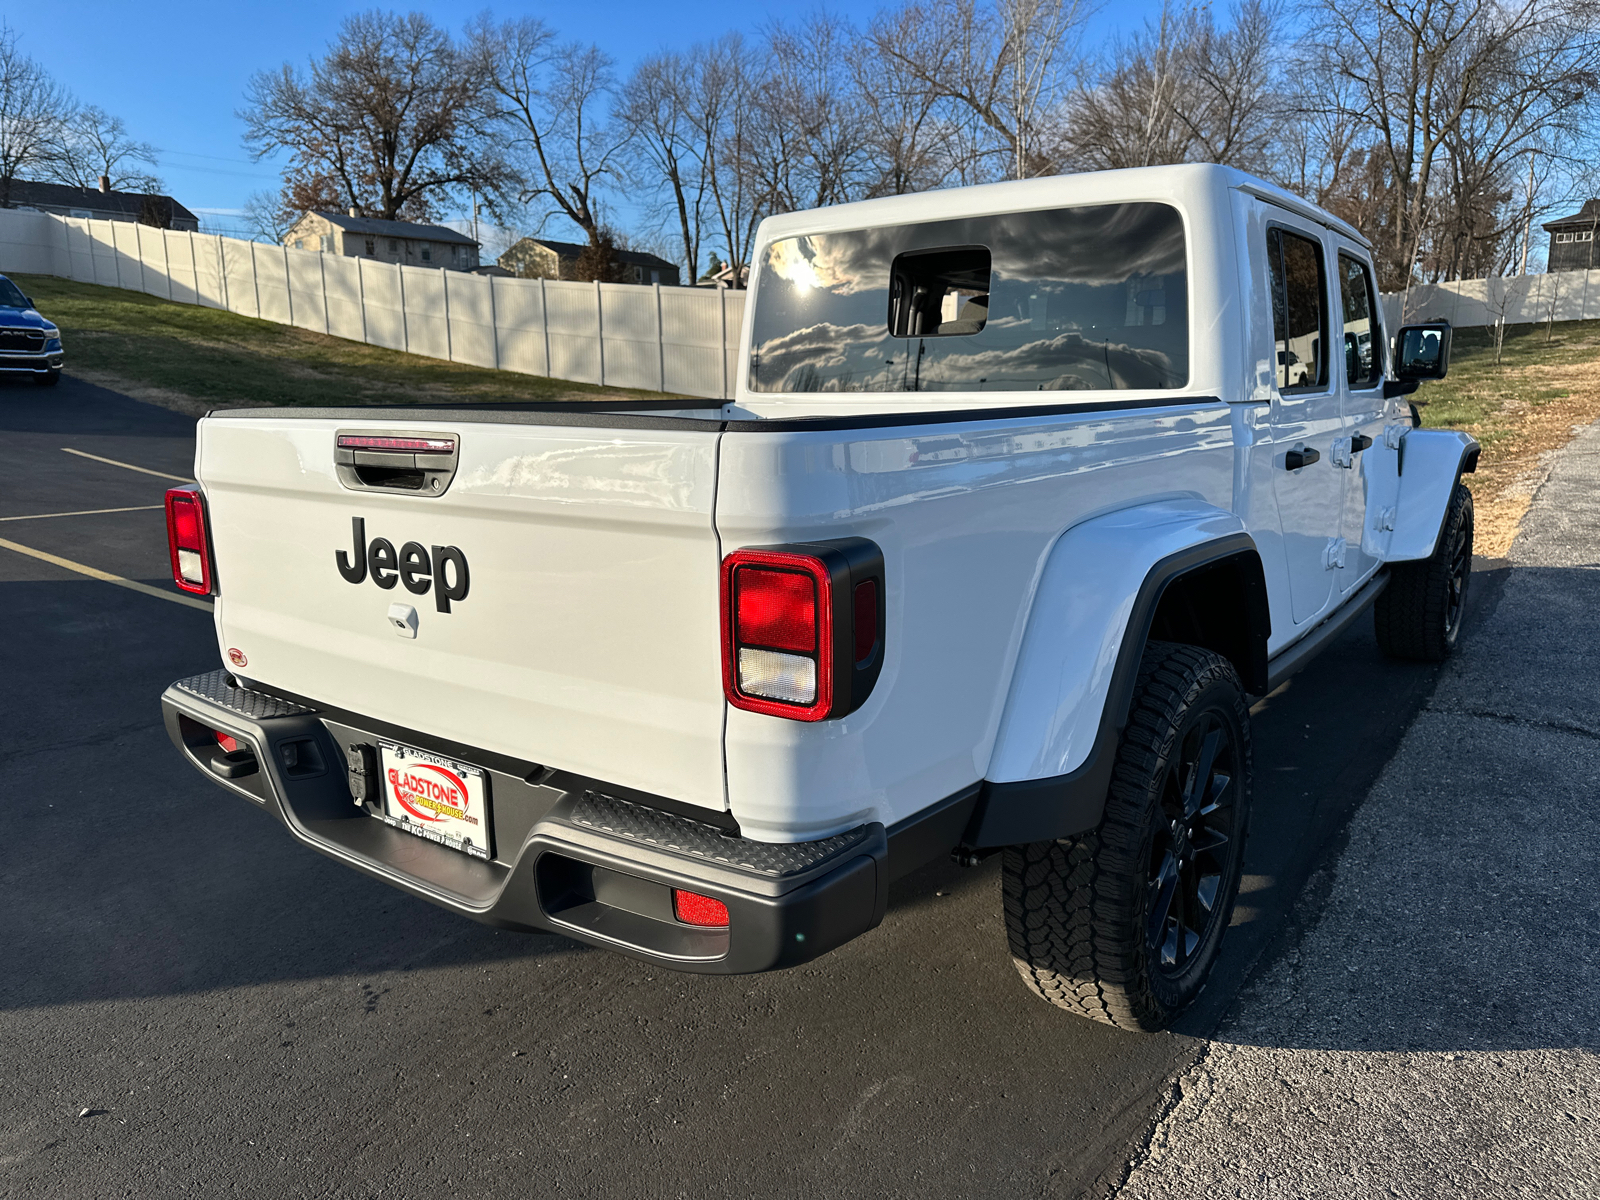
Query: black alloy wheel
(1123,923)
(1194,853)
(1460,570)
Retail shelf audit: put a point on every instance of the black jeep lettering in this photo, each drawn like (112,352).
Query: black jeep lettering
(416,566)
(354,568)
(446,592)
(381,562)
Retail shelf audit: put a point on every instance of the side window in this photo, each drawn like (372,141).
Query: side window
(1299,310)
(1363,363)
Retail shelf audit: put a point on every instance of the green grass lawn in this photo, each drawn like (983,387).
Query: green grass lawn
(220,357)
(1477,390)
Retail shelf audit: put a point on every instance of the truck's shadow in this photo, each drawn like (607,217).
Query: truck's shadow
(1461,914)
(127,875)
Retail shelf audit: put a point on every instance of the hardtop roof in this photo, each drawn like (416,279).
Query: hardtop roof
(1138,183)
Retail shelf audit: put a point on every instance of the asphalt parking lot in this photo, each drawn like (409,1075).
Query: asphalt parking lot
(193,1003)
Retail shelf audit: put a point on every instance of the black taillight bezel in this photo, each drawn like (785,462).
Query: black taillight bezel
(847,563)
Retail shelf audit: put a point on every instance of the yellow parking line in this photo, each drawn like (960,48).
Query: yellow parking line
(126,466)
(107,577)
(84,512)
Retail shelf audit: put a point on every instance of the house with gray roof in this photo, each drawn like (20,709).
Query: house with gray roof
(103,204)
(406,242)
(544,258)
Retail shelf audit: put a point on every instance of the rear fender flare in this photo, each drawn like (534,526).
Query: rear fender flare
(1432,460)
(1073,684)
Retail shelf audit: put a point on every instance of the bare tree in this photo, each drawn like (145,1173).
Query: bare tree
(1128,115)
(658,104)
(725,104)
(553,102)
(268,218)
(912,144)
(1034,33)
(809,146)
(33,109)
(93,144)
(1501,296)
(393,116)
(1422,77)
(1184,90)
(1000,72)
(1552,284)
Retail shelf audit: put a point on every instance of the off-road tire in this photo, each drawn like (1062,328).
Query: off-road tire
(48,379)
(1078,911)
(1418,616)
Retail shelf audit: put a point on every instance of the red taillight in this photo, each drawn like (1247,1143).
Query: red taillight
(777,634)
(803,628)
(777,609)
(229,744)
(694,909)
(189,541)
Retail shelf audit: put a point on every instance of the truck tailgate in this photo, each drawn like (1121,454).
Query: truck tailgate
(588,638)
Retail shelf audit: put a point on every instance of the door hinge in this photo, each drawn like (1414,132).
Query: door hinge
(1333,554)
(1393,435)
(1341,453)
(1386,518)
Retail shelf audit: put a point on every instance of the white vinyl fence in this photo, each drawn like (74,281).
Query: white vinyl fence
(682,340)
(1518,299)
(672,339)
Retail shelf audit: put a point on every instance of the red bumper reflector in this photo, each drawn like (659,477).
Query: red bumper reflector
(694,909)
(227,743)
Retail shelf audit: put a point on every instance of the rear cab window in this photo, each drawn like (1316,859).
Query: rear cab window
(1070,299)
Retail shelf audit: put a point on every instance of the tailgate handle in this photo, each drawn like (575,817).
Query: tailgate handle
(394,460)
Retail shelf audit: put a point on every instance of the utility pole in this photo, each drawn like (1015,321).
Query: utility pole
(1527,224)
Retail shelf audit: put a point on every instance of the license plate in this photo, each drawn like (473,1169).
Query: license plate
(437,798)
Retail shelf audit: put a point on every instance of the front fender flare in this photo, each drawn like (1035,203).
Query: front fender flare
(1073,684)
(1432,460)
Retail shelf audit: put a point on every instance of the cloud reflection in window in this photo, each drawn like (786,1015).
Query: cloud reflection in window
(1082,298)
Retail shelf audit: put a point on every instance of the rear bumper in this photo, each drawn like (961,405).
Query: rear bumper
(571,855)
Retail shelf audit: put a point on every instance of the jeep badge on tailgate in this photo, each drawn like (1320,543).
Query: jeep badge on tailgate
(413,566)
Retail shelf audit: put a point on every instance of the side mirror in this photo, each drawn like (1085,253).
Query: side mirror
(1422,351)
(31,304)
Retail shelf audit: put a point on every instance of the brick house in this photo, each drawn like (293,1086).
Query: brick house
(541,258)
(403,242)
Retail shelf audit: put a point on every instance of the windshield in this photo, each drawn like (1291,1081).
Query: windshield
(1061,300)
(11,295)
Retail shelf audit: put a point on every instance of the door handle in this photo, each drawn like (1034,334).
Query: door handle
(1302,457)
(1359,443)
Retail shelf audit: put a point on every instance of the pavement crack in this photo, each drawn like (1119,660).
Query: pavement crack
(1490,714)
(1146,1147)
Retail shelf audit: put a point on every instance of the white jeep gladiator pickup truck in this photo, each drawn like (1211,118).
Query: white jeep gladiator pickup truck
(1024,491)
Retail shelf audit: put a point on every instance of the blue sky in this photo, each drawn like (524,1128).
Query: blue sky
(177,74)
